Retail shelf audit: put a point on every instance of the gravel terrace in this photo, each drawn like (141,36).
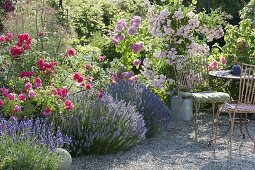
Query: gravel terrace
(179,151)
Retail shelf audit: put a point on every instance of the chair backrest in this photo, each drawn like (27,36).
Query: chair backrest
(247,87)
(191,73)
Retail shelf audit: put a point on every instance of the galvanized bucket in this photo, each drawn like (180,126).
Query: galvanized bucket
(185,106)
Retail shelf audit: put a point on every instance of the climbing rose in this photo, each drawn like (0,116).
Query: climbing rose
(1,102)
(16,52)
(71,52)
(22,96)
(47,112)
(87,67)
(88,87)
(69,105)
(5,91)
(31,93)
(28,85)
(11,96)
(223,60)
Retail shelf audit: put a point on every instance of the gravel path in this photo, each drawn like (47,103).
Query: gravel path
(179,151)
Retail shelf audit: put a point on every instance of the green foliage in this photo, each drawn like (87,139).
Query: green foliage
(88,16)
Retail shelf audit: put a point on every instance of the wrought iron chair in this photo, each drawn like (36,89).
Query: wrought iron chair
(245,105)
(193,82)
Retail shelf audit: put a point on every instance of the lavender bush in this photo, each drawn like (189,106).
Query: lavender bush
(154,111)
(29,144)
(102,126)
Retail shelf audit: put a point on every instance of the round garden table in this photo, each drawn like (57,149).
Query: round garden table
(226,74)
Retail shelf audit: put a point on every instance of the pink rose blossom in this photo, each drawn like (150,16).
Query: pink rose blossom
(63,92)
(137,62)
(2,39)
(28,85)
(1,103)
(38,80)
(71,52)
(5,92)
(17,108)
(11,96)
(16,52)
(215,64)
(223,60)
(87,67)
(47,112)
(26,74)
(88,87)
(38,85)
(8,36)
(22,96)
(69,105)
(32,93)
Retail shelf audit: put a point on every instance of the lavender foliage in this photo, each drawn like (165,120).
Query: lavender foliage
(154,111)
(29,144)
(102,126)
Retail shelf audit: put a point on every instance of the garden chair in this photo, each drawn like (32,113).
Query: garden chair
(193,82)
(245,105)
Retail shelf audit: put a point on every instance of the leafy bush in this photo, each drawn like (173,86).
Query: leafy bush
(154,111)
(88,17)
(102,126)
(29,144)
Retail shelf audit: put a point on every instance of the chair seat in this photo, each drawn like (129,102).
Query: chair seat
(207,97)
(238,107)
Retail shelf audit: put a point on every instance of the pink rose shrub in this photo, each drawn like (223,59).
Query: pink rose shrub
(34,76)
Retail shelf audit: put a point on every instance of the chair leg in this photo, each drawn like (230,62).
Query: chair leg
(215,124)
(232,121)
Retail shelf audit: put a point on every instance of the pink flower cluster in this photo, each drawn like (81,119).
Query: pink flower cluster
(46,67)
(62,92)
(80,79)
(26,74)
(118,36)
(23,44)
(6,38)
(135,23)
(215,64)
(129,76)
(29,92)
(137,47)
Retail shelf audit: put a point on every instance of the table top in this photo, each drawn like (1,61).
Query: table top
(224,74)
